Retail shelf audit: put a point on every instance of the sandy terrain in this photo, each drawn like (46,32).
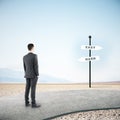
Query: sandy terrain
(93,115)
(13,89)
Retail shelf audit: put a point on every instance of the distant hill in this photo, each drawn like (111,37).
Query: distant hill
(12,76)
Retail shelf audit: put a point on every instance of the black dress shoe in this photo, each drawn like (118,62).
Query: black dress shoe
(27,104)
(35,106)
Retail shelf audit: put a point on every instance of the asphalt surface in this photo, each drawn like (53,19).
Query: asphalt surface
(58,103)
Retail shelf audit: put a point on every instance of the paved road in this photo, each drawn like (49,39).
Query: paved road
(58,103)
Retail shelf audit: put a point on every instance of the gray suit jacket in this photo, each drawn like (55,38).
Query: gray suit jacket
(30,63)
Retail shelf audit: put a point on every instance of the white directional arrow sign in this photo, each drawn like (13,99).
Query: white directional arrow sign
(85,59)
(91,47)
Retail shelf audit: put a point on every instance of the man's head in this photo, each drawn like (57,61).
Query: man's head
(30,47)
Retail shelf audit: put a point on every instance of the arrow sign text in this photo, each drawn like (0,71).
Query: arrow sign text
(91,47)
(84,59)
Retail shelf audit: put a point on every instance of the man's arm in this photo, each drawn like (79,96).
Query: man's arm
(36,66)
(24,65)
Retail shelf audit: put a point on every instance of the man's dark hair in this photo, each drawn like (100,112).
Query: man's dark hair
(30,46)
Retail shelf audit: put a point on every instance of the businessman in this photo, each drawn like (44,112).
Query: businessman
(30,63)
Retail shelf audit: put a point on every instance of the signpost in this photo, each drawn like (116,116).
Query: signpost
(90,63)
(90,58)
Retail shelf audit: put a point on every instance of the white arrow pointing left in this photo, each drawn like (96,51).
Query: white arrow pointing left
(85,59)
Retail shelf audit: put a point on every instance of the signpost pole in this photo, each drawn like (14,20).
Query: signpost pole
(90,58)
(89,63)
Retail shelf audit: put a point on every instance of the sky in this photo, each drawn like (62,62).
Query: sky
(58,28)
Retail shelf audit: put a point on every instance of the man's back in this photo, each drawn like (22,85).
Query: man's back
(30,65)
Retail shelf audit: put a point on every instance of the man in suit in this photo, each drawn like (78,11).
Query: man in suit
(30,63)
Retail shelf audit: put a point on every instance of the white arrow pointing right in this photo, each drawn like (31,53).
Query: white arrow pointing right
(91,47)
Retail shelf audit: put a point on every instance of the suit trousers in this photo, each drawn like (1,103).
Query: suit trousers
(30,83)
